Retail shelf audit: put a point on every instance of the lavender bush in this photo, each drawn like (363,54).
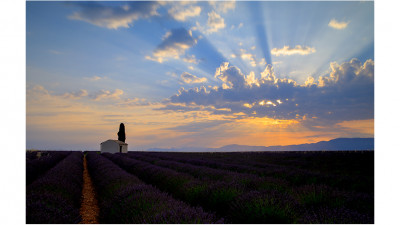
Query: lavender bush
(211,195)
(305,196)
(341,215)
(55,197)
(124,198)
(30,155)
(248,181)
(263,207)
(277,165)
(38,166)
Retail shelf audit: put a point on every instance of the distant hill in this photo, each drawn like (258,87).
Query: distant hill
(338,144)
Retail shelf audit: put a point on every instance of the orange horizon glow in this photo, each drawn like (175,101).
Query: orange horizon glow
(87,125)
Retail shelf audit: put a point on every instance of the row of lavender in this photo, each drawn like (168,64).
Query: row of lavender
(30,155)
(35,167)
(246,198)
(123,198)
(247,181)
(311,160)
(238,196)
(350,169)
(317,161)
(311,195)
(252,163)
(55,197)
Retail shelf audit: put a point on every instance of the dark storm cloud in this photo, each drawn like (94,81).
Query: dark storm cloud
(346,93)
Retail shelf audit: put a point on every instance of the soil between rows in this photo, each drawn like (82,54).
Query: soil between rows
(89,207)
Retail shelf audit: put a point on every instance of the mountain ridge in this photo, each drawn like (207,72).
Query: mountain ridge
(337,144)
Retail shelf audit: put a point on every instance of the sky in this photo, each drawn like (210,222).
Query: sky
(198,74)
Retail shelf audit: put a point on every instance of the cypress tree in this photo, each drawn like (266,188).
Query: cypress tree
(121,133)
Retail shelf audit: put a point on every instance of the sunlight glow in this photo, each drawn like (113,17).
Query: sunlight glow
(198,73)
(248,105)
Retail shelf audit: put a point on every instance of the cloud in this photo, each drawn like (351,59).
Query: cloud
(37,90)
(174,44)
(223,6)
(215,22)
(94,78)
(262,62)
(338,25)
(181,13)
(297,50)
(192,79)
(40,92)
(134,102)
(361,126)
(346,93)
(238,27)
(104,95)
(199,127)
(231,76)
(187,2)
(353,71)
(75,95)
(190,59)
(114,15)
(249,57)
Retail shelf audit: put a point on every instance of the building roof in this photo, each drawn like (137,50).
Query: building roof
(119,142)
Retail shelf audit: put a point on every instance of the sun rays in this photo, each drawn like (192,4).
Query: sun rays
(189,73)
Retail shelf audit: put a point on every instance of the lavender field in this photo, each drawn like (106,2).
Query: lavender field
(161,187)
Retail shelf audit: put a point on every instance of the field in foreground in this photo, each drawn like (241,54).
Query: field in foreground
(156,187)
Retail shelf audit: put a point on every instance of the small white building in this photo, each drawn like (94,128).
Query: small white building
(114,146)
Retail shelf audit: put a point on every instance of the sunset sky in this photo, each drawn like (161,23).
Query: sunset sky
(206,74)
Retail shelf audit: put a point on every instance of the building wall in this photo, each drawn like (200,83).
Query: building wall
(109,146)
(112,147)
(124,148)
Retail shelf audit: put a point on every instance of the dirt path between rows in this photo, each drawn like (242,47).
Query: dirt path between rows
(89,207)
